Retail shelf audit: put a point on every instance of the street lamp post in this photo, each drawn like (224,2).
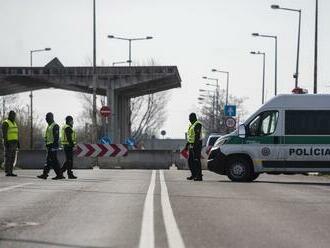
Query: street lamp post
(263,74)
(31,94)
(94,120)
(227,87)
(315,45)
(129,44)
(216,100)
(275,38)
(296,76)
(209,92)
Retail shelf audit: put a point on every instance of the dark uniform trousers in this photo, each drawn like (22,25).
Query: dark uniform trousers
(52,162)
(194,160)
(10,155)
(68,164)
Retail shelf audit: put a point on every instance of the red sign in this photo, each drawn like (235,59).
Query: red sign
(105,111)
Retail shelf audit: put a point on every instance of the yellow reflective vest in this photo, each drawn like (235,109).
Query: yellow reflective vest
(12,132)
(191,132)
(49,135)
(64,139)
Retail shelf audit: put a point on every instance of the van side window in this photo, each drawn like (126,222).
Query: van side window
(264,124)
(254,126)
(307,122)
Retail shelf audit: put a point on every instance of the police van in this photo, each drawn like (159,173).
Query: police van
(288,134)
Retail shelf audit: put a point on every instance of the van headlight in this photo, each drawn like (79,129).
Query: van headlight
(219,143)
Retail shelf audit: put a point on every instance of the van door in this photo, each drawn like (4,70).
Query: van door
(262,140)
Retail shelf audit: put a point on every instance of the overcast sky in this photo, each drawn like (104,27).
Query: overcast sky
(195,35)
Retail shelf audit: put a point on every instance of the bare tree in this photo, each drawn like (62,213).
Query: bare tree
(148,114)
(24,123)
(85,119)
(212,112)
(8,102)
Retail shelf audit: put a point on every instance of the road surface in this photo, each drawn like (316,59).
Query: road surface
(127,208)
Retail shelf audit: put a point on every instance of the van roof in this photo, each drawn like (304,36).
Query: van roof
(308,101)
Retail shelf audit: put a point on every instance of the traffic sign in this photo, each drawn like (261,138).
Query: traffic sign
(130,142)
(105,111)
(106,140)
(230,122)
(230,110)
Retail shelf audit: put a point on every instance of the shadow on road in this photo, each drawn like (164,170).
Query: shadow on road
(45,243)
(279,182)
(295,183)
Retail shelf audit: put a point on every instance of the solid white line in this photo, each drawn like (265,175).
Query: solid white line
(14,187)
(174,237)
(147,236)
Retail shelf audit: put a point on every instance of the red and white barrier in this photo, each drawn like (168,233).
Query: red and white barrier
(101,150)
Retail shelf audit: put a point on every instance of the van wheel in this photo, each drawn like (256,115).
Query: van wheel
(239,170)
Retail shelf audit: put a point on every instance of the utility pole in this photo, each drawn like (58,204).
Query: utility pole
(94,136)
(31,93)
(316,45)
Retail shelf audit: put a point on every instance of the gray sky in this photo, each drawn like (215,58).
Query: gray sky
(194,35)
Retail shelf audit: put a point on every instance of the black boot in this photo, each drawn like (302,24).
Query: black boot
(11,175)
(58,177)
(42,176)
(190,178)
(71,176)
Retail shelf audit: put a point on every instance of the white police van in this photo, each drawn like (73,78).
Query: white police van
(288,134)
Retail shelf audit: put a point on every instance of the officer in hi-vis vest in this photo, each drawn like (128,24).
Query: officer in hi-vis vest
(52,144)
(10,143)
(194,145)
(68,140)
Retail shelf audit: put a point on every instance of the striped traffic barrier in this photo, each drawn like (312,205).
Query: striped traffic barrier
(101,150)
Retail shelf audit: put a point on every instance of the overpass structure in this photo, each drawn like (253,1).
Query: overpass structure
(119,84)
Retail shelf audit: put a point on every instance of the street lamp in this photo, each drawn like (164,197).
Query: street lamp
(227,88)
(298,45)
(216,102)
(213,79)
(129,44)
(275,38)
(263,74)
(120,62)
(31,94)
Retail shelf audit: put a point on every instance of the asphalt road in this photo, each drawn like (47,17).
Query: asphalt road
(144,208)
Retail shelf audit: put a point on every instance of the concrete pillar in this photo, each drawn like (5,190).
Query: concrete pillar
(124,117)
(112,102)
(120,121)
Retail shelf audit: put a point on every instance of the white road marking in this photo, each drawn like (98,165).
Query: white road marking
(14,187)
(174,237)
(147,236)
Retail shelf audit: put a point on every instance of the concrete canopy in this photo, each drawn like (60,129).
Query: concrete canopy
(119,84)
(128,81)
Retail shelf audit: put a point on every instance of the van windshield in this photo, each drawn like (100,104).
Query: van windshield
(263,124)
